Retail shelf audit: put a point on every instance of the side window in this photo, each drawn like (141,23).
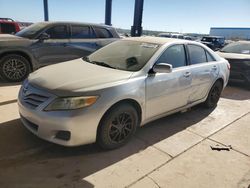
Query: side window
(58,32)
(174,55)
(8,28)
(81,32)
(209,57)
(197,54)
(103,33)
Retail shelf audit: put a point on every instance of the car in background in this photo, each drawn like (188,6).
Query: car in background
(238,55)
(47,43)
(166,35)
(213,42)
(105,96)
(8,26)
(177,36)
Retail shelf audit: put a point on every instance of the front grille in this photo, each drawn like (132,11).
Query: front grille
(33,97)
(34,100)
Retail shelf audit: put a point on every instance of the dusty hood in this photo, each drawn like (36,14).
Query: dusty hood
(233,55)
(9,40)
(76,76)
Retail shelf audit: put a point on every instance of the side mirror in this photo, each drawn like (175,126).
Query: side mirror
(162,68)
(43,36)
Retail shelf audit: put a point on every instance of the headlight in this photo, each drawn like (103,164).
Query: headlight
(71,103)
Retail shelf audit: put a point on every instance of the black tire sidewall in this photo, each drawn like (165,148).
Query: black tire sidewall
(20,58)
(208,103)
(103,139)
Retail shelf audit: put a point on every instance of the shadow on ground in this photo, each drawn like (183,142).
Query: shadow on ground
(61,165)
(236,91)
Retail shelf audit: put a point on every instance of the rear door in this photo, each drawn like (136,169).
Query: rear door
(82,41)
(54,49)
(169,91)
(204,71)
(104,36)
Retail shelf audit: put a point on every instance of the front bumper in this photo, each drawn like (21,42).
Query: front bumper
(68,128)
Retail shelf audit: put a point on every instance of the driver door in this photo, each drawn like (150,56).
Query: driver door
(168,91)
(55,49)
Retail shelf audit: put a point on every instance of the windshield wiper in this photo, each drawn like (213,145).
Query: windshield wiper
(86,58)
(102,64)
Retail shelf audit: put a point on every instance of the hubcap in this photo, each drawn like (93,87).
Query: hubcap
(14,69)
(121,127)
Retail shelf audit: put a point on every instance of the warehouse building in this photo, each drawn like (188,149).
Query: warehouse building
(231,33)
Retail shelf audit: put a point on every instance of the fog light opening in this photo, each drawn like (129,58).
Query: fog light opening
(63,135)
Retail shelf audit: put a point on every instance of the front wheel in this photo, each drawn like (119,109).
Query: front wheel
(14,68)
(117,127)
(213,95)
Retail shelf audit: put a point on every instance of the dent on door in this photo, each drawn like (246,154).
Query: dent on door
(166,92)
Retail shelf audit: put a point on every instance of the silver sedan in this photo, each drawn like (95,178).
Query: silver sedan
(103,98)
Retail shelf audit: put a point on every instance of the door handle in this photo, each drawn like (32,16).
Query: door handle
(187,74)
(214,68)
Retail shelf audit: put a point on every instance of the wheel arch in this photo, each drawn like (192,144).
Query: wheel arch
(21,53)
(132,102)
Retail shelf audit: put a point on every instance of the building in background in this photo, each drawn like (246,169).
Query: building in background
(231,33)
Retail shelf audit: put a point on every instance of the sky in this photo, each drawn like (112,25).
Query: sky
(188,16)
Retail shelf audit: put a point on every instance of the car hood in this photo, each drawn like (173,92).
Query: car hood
(76,76)
(11,40)
(233,55)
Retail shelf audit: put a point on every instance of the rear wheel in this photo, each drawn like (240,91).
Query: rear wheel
(117,127)
(213,95)
(14,68)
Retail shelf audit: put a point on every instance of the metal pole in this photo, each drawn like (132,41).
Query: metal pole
(46,11)
(108,11)
(136,29)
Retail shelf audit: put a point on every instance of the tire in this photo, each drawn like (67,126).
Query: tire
(14,68)
(117,126)
(213,95)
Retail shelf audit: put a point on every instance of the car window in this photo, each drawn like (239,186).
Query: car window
(7,28)
(197,54)
(237,47)
(124,55)
(174,55)
(102,33)
(81,32)
(58,32)
(209,57)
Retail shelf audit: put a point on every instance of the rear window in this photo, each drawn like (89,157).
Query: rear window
(7,28)
(81,32)
(103,33)
(237,47)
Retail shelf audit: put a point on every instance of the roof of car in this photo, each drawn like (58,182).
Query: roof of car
(77,23)
(155,40)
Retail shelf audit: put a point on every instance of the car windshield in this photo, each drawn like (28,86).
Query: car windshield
(237,47)
(31,31)
(124,55)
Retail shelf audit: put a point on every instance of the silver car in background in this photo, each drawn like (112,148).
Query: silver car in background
(103,98)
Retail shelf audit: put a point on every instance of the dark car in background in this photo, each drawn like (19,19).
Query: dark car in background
(213,42)
(47,43)
(8,26)
(238,55)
